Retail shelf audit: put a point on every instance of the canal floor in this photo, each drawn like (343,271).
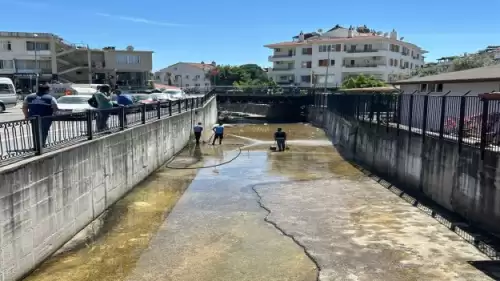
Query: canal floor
(304,214)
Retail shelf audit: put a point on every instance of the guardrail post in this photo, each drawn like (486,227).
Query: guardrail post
(443,115)
(186,101)
(89,114)
(158,110)
(192,103)
(410,115)
(484,126)
(424,119)
(143,113)
(179,104)
(36,127)
(121,117)
(461,123)
(169,108)
(399,103)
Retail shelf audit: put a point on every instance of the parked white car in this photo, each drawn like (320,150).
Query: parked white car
(175,94)
(8,96)
(73,103)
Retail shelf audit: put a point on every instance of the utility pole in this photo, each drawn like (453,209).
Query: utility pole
(37,65)
(327,67)
(89,62)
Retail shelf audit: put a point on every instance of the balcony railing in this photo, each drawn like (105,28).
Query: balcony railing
(362,65)
(283,69)
(282,56)
(363,51)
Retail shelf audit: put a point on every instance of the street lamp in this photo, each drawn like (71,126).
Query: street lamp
(36,61)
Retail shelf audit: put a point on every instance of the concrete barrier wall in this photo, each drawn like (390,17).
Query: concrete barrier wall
(46,200)
(458,181)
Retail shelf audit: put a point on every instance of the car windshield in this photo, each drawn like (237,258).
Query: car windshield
(140,97)
(73,99)
(6,88)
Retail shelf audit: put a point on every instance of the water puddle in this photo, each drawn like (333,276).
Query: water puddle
(304,214)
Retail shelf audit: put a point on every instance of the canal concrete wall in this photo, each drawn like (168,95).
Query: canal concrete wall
(457,180)
(46,200)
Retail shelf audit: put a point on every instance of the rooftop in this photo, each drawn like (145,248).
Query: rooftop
(338,34)
(480,74)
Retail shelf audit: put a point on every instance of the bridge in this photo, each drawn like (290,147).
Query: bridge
(397,198)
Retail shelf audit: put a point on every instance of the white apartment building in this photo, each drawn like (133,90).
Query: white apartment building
(25,55)
(186,74)
(310,59)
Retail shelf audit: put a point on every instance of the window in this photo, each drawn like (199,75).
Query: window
(411,65)
(338,47)
(196,85)
(305,78)
(197,77)
(127,59)
(394,48)
(206,84)
(5,46)
(37,46)
(329,48)
(352,62)
(306,64)
(187,76)
(187,85)
(332,62)
(367,47)
(439,87)
(391,62)
(6,64)
(423,88)
(353,48)
(395,62)
(307,51)
(277,50)
(323,63)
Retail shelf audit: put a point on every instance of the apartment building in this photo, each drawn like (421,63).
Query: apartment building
(186,74)
(25,55)
(332,56)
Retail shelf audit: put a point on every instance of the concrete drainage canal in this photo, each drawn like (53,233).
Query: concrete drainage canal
(251,214)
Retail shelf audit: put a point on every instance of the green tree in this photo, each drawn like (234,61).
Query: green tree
(243,76)
(362,81)
(473,61)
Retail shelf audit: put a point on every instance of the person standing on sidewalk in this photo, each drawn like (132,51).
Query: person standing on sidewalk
(104,105)
(198,129)
(124,100)
(42,104)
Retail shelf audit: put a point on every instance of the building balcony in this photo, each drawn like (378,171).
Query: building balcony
(363,51)
(283,69)
(364,67)
(281,57)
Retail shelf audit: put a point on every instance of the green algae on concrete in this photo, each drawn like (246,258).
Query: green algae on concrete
(128,228)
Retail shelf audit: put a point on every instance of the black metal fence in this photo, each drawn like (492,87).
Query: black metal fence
(467,120)
(265,90)
(24,138)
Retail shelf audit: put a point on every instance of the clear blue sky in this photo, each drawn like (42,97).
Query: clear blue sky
(234,32)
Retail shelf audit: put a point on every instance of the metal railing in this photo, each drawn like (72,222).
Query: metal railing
(21,139)
(466,120)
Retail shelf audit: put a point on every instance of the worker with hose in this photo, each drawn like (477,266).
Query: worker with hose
(280,138)
(218,133)
(198,129)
